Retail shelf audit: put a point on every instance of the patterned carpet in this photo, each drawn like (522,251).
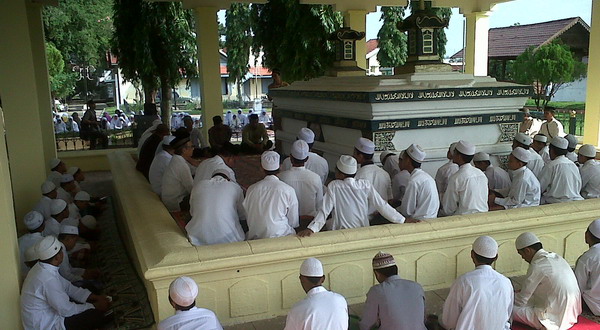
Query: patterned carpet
(583,323)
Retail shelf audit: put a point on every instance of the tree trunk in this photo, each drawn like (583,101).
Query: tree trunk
(165,102)
(239,90)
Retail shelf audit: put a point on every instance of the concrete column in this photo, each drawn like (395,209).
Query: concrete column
(357,20)
(591,129)
(207,38)
(24,89)
(476,52)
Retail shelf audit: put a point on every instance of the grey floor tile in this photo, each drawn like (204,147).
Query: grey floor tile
(433,303)
(243,326)
(277,323)
(356,309)
(442,293)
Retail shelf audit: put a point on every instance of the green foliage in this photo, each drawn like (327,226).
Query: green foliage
(56,63)
(444,13)
(392,42)
(62,82)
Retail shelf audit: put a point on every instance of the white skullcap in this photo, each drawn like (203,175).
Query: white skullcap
(89,221)
(82,196)
(47,187)
(269,161)
(588,150)
(68,229)
(47,247)
(300,149)
(560,142)
(311,267)
(168,139)
(365,146)
(383,260)
(384,154)
(54,162)
(30,254)
(594,228)
(465,148)
(526,239)
(183,291)
(307,135)
(572,140)
(416,153)
(540,138)
(65,178)
(57,206)
(72,170)
(521,154)
(452,147)
(33,220)
(347,164)
(523,139)
(486,247)
(481,156)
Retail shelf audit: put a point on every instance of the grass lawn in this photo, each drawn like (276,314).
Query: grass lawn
(560,105)
(111,111)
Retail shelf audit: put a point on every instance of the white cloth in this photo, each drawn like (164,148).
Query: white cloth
(443,174)
(55,178)
(45,299)
(545,154)
(391,165)
(552,129)
(421,200)
(271,209)
(467,192)
(394,304)
(64,195)
(265,119)
(535,163)
(524,190)
(157,169)
(349,200)
(74,211)
(43,206)
(71,274)
(193,319)
(590,179)
(308,188)
(51,227)
(205,170)
(479,299)
(177,183)
(550,292)
(216,209)
(497,177)
(560,181)
(198,139)
(378,177)
(399,183)
(315,163)
(587,272)
(321,309)
(571,156)
(25,242)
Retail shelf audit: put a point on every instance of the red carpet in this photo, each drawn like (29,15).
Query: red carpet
(582,324)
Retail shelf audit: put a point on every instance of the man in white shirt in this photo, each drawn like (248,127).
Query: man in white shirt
(481,298)
(60,212)
(467,190)
(364,149)
(48,194)
(421,200)
(321,309)
(587,269)
(524,190)
(590,172)
(68,238)
(224,159)
(177,179)
(315,163)
(551,127)
(571,155)
(216,206)
(389,162)
(399,181)
(197,138)
(67,188)
(34,221)
(535,163)
(540,145)
(497,177)
(445,171)
(242,118)
(271,205)
(394,303)
(160,163)
(549,297)
(306,184)
(349,200)
(147,134)
(57,169)
(560,180)
(48,301)
(182,296)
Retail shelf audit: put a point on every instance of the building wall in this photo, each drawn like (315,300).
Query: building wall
(572,92)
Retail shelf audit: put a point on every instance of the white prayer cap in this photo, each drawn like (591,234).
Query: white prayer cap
(82,196)
(300,149)
(486,247)
(33,220)
(347,164)
(416,153)
(521,154)
(465,148)
(65,178)
(68,229)
(47,187)
(560,142)
(540,138)
(526,239)
(594,228)
(89,221)
(307,135)
(481,156)
(311,267)
(222,171)
(168,139)
(47,247)
(383,260)
(183,291)
(453,147)
(523,139)
(365,146)
(572,140)
(30,254)
(57,206)
(72,170)
(384,154)
(588,150)
(54,162)
(269,161)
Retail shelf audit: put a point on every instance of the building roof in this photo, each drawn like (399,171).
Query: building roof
(512,41)
(372,44)
(254,71)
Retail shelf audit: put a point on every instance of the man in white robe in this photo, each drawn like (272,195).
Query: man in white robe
(34,221)
(587,269)
(315,163)
(421,200)
(67,188)
(177,179)
(571,155)
(445,171)
(160,163)
(560,180)
(147,134)
(540,145)
(224,159)
(57,169)
(60,212)
(364,149)
(590,172)
(399,181)
(535,163)
(48,194)
(389,162)
(524,190)
(497,177)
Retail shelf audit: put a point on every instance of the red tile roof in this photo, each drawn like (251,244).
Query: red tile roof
(255,71)
(372,44)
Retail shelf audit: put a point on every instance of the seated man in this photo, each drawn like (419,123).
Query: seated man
(587,269)
(420,200)
(34,221)
(148,150)
(445,171)
(49,193)
(182,296)
(160,163)
(321,309)
(571,155)
(57,169)
(177,179)
(394,303)
(560,180)
(540,145)
(497,177)
(60,212)
(315,163)
(525,188)
(549,298)
(68,238)
(590,172)
(536,163)
(481,298)
(224,159)
(219,134)
(255,139)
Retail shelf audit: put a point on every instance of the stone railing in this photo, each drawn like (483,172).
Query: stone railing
(258,279)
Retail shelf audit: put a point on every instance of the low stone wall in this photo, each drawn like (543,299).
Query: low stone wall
(90,160)
(255,280)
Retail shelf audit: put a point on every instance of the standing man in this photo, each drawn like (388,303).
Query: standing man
(321,309)
(364,149)
(445,171)
(482,298)
(315,162)
(560,180)
(551,127)
(535,163)
(497,177)
(421,200)
(587,269)
(400,180)
(90,127)
(524,190)
(590,172)
(394,303)
(255,139)
(540,145)
(389,162)
(549,298)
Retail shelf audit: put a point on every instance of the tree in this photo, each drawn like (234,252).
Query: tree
(238,40)
(444,13)
(62,82)
(547,68)
(392,42)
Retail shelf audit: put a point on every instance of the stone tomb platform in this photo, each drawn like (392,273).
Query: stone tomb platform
(430,109)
